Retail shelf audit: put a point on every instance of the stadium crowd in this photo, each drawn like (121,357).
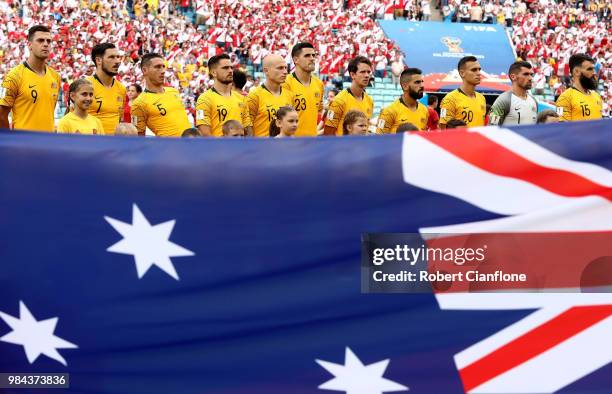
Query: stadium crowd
(251,32)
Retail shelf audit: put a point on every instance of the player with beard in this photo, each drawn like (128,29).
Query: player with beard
(465,103)
(30,90)
(516,106)
(581,101)
(352,98)
(159,107)
(308,89)
(407,108)
(109,93)
(221,103)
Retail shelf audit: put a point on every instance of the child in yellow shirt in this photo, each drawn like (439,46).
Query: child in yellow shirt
(78,121)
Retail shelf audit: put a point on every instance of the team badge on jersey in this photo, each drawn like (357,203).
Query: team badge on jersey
(53,85)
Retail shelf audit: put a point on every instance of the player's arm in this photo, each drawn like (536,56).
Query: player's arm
(320,101)
(4,113)
(253,107)
(386,119)
(564,106)
(247,122)
(203,116)
(8,93)
(447,111)
(139,117)
(334,114)
(499,110)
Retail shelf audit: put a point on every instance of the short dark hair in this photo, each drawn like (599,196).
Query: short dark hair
(409,72)
(577,60)
(542,116)
(240,79)
(213,61)
(432,98)
(100,49)
(137,87)
(464,60)
(34,29)
(191,132)
(516,67)
(356,61)
(455,123)
(404,127)
(297,48)
(146,59)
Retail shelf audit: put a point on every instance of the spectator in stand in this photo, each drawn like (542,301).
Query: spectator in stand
(434,118)
(397,66)
(133,91)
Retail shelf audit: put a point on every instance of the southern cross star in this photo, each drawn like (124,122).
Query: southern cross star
(148,244)
(36,337)
(355,378)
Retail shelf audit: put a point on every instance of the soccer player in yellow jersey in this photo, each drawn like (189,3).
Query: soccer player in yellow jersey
(355,97)
(265,100)
(159,107)
(78,120)
(221,103)
(465,103)
(581,101)
(407,108)
(30,90)
(308,89)
(109,94)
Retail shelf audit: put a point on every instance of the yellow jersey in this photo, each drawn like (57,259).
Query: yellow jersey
(573,105)
(308,103)
(263,106)
(343,102)
(214,109)
(460,106)
(397,113)
(108,103)
(73,124)
(163,113)
(31,97)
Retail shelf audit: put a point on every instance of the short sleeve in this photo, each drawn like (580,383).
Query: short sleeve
(335,113)
(203,111)
(386,119)
(564,107)
(253,104)
(9,90)
(139,116)
(447,109)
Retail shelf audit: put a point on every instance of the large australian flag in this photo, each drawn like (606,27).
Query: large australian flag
(149,266)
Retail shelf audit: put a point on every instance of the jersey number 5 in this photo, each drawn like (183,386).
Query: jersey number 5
(161,109)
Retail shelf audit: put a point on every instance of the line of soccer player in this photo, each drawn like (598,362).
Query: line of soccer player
(284,105)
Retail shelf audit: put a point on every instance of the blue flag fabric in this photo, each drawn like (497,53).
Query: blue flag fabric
(257,278)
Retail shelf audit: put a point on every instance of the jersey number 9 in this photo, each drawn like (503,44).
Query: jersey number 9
(34,94)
